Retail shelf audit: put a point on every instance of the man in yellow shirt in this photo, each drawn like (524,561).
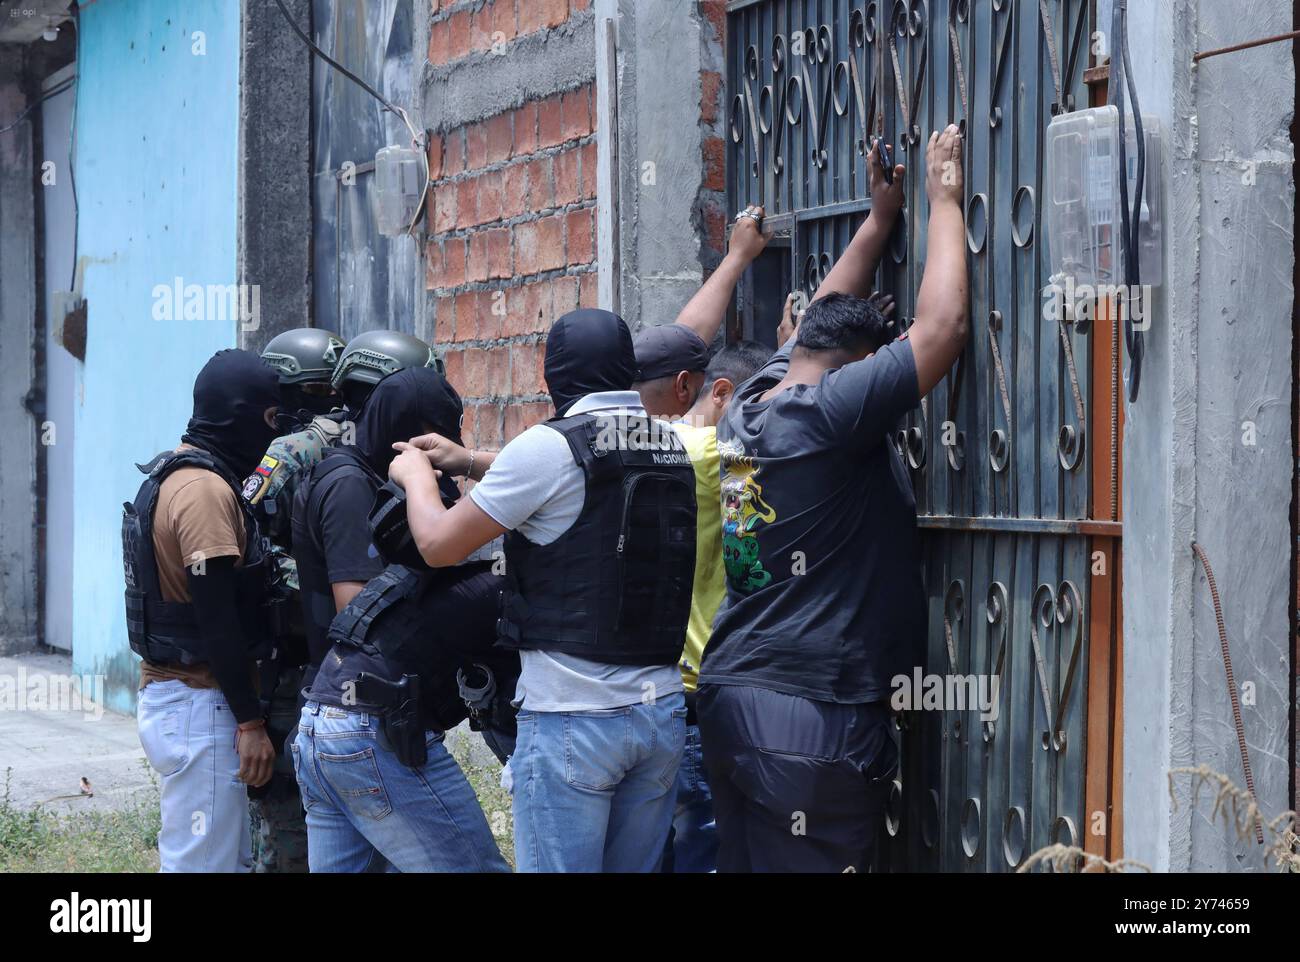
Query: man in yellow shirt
(692,844)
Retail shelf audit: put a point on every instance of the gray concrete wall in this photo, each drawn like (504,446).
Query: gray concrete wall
(661,162)
(1216,378)
(275,167)
(18,535)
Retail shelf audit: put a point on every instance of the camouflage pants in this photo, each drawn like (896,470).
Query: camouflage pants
(279,827)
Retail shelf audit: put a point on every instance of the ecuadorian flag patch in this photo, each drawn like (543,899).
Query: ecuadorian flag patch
(255,485)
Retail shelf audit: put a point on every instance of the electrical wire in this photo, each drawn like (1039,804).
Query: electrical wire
(1121,70)
(416,140)
(1135,280)
(52,92)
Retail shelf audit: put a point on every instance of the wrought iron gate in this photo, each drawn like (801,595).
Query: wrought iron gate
(1015,555)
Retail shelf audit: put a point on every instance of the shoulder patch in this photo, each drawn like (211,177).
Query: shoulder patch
(254,487)
(256,484)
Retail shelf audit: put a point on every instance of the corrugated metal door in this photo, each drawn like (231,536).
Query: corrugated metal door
(1001,452)
(361,280)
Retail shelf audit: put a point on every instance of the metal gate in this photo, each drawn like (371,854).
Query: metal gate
(1017,496)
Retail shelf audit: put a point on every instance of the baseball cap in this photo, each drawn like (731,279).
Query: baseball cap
(666,349)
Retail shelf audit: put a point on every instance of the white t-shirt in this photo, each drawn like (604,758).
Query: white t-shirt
(536,488)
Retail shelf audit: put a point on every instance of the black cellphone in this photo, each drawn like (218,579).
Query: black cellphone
(886,160)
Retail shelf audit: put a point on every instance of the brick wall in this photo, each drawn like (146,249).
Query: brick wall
(712,200)
(512,239)
(512,242)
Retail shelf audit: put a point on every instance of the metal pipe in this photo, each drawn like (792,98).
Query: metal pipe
(1245,45)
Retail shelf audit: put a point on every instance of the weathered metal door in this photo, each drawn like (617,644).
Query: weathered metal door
(361,280)
(1001,453)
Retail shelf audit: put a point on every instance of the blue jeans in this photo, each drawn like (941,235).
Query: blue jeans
(366,811)
(188,735)
(693,838)
(594,791)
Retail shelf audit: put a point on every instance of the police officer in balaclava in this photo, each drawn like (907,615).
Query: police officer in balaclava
(336,559)
(599,506)
(318,373)
(195,598)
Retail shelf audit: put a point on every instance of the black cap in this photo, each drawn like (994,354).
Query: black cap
(666,349)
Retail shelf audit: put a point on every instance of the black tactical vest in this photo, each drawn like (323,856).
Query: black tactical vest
(430,623)
(616,586)
(167,632)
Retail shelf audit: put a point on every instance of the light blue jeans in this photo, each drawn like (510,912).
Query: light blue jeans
(367,812)
(188,735)
(594,791)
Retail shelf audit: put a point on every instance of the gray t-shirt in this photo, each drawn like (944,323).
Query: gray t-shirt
(819,537)
(536,488)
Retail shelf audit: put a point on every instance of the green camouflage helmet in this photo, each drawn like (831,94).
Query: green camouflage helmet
(304,355)
(372,356)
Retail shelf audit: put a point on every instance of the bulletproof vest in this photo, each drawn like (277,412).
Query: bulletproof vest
(167,632)
(411,619)
(270,489)
(616,586)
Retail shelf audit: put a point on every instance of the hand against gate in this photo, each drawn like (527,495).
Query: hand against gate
(886,198)
(748,237)
(944,179)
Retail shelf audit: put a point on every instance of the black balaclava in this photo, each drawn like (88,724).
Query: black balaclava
(588,350)
(231,395)
(402,406)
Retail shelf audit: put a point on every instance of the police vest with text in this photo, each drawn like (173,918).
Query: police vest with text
(616,586)
(167,632)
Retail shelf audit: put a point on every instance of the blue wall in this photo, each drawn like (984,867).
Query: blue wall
(156,172)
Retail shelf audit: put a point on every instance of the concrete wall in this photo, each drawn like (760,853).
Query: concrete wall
(1217,378)
(18,534)
(157,147)
(671,159)
(275,167)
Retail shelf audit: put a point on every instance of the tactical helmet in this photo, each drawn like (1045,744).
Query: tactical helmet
(304,355)
(373,355)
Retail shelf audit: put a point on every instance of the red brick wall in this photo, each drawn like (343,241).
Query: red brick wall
(712,203)
(512,241)
(512,227)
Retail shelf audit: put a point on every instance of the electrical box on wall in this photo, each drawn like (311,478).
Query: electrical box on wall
(399,188)
(1084,209)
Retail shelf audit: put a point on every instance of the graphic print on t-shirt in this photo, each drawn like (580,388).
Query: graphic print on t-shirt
(743,511)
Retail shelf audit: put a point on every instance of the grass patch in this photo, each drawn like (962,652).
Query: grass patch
(484,773)
(39,840)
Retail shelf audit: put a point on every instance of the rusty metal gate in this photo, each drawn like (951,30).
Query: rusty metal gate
(1017,495)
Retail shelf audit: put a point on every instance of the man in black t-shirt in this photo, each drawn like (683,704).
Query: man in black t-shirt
(365,807)
(824,597)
